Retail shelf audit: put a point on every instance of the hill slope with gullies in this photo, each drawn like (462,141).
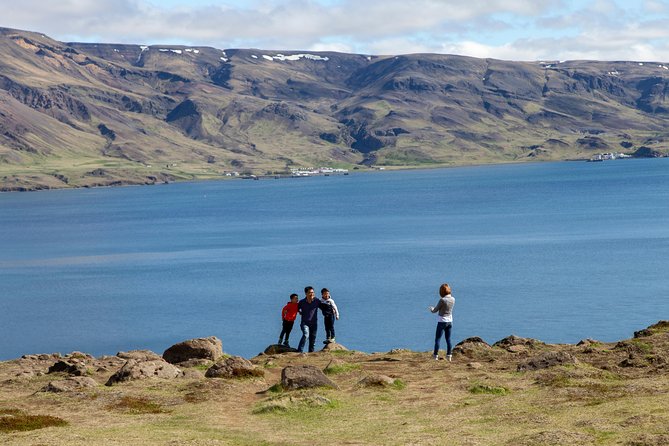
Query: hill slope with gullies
(82,114)
(518,391)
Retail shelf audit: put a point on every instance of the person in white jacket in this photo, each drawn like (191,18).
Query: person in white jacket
(330,313)
(444,310)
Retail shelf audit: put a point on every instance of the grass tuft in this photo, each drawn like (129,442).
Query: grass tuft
(305,404)
(336,369)
(479,388)
(276,388)
(12,420)
(342,352)
(398,384)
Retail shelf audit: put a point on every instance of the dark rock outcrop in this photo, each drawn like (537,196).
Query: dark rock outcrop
(651,330)
(647,152)
(515,343)
(547,360)
(472,347)
(278,349)
(74,367)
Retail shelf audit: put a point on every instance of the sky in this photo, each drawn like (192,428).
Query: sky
(521,30)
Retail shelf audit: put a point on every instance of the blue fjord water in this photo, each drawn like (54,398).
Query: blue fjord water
(555,251)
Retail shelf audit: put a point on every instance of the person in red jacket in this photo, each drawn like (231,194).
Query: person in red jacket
(288,315)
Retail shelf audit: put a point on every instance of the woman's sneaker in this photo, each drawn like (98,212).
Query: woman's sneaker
(449,358)
(435,357)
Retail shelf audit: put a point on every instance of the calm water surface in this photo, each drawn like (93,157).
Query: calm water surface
(556,251)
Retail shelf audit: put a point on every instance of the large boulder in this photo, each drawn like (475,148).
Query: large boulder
(304,376)
(233,367)
(200,348)
(133,370)
(547,360)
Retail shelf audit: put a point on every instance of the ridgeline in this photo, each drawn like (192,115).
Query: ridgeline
(85,114)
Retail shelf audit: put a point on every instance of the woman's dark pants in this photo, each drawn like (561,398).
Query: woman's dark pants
(445,328)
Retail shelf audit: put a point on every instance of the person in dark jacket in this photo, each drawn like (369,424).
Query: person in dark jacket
(308,309)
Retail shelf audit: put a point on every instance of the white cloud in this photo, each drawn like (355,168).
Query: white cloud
(332,46)
(503,29)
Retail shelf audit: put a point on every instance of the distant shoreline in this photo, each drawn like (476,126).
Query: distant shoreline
(265,177)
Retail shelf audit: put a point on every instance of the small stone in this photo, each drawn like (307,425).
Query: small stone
(376,381)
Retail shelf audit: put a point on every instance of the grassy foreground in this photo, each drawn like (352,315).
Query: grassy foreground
(518,392)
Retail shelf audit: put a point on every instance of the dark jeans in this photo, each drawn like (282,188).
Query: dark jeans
(286,329)
(308,331)
(445,328)
(329,320)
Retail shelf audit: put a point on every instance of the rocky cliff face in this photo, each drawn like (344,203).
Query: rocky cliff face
(260,110)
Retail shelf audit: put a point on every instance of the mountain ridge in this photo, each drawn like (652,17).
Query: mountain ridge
(149,113)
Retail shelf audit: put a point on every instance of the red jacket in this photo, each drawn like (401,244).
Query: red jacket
(289,312)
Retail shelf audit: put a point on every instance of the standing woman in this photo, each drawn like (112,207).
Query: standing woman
(444,310)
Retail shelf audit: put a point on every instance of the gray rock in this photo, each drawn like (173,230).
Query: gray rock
(547,360)
(233,367)
(304,376)
(70,385)
(201,348)
(140,355)
(134,370)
